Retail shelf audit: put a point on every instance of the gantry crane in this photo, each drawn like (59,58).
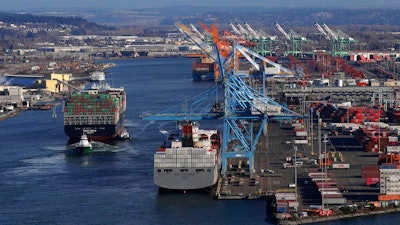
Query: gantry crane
(252,32)
(205,47)
(245,111)
(340,42)
(294,41)
(234,29)
(264,43)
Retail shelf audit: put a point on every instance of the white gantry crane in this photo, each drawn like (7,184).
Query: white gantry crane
(294,41)
(340,42)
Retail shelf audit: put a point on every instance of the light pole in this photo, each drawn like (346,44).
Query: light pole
(319,136)
(312,131)
(324,174)
(295,170)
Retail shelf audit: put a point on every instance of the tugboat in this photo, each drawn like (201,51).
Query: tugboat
(84,146)
(125,135)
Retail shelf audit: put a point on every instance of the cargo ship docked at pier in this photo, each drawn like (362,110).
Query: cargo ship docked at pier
(203,70)
(98,112)
(189,159)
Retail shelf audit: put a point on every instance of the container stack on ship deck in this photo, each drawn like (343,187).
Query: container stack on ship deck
(99,113)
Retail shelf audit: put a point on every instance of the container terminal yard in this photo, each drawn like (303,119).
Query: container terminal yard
(271,150)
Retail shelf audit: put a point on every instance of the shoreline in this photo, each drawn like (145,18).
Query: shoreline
(8,115)
(317,219)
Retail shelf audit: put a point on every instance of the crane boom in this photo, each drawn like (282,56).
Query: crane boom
(195,30)
(252,31)
(234,29)
(207,49)
(242,30)
(282,31)
(322,31)
(330,32)
(343,35)
(243,50)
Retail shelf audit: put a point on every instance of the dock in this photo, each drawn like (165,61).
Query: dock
(270,176)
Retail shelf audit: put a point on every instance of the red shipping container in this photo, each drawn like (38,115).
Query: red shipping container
(372,180)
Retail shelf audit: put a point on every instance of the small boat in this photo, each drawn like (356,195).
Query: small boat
(98,76)
(125,135)
(84,145)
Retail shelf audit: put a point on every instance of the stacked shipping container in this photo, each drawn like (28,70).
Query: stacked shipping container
(90,108)
(327,187)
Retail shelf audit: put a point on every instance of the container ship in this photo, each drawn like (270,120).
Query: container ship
(189,159)
(203,70)
(98,112)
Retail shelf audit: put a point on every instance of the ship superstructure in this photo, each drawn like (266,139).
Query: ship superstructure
(98,112)
(188,159)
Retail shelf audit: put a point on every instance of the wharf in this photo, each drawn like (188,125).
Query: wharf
(319,219)
(270,176)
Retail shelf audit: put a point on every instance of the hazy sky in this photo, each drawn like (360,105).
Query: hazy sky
(27,5)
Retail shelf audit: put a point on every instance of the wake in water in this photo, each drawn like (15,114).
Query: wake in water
(144,128)
(97,147)
(130,123)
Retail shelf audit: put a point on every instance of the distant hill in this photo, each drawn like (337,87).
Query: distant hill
(264,17)
(289,16)
(78,25)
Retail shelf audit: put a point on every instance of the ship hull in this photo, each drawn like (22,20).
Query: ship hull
(84,150)
(187,178)
(203,76)
(203,71)
(95,132)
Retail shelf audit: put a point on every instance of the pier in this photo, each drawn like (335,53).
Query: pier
(269,174)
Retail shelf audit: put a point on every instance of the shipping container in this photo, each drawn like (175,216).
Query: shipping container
(335,201)
(372,181)
(340,166)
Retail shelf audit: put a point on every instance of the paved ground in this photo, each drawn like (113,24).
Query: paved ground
(271,176)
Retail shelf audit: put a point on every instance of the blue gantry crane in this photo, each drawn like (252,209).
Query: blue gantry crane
(245,110)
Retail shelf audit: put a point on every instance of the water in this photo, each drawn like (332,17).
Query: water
(42,181)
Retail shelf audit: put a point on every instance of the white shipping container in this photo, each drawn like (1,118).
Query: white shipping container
(392,149)
(330,193)
(293,204)
(340,166)
(297,125)
(176,144)
(328,189)
(286,198)
(272,109)
(300,142)
(301,133)
(335,201)
(321,179)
